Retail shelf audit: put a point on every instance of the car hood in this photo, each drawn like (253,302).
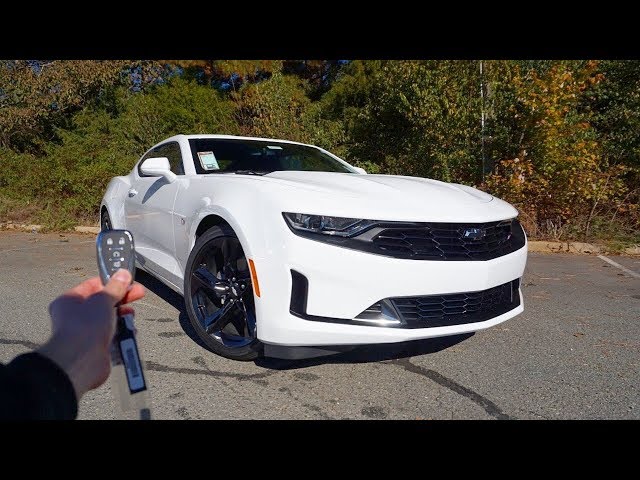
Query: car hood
(358,185)
(383,197)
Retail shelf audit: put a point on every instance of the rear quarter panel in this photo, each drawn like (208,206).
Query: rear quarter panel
(113,200)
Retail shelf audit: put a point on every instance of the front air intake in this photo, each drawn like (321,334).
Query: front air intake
(458,308)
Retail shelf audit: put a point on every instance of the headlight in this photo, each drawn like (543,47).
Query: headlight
(338,226)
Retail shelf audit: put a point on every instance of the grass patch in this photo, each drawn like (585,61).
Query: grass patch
(16,211)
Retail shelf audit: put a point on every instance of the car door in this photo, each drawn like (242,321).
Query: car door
(149,213)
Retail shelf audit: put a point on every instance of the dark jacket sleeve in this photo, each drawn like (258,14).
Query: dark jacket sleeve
(33,387)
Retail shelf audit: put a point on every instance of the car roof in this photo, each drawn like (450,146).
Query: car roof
(234,137)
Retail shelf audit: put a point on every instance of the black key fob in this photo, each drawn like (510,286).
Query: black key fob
(115,250)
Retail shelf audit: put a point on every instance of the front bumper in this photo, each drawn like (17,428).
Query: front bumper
(342,283)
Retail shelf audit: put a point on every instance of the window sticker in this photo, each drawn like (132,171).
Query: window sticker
(208,161)
(274,147)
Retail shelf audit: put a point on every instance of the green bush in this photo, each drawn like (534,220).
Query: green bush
(69,179)
(280,108)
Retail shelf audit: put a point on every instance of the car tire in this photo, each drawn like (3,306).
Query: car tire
(213,259)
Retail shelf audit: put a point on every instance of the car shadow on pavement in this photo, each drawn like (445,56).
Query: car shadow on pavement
(351,354)
(175,300)
(369,353)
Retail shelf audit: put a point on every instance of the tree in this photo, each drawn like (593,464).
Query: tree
(559,172)
(37,96)
(411,117)
(559,139)
(280,108)
(233,73)
(615,102)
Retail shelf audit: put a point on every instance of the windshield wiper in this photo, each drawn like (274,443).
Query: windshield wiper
(251,172)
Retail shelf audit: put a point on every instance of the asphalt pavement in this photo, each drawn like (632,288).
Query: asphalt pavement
(573,354)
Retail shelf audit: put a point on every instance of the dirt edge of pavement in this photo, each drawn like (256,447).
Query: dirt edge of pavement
(540,246)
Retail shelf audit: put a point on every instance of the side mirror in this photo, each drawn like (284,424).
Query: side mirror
(360,170)
(158,167)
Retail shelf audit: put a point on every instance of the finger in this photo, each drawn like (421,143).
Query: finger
(136,292)
(118,284)
(86,288)
(125,310)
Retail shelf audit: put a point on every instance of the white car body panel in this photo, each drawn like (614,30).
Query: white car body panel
(164,217)
(150,214)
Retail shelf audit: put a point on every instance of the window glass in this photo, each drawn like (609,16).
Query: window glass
(170,150)
(214,155)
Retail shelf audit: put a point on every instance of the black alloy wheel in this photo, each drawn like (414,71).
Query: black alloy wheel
(218,295)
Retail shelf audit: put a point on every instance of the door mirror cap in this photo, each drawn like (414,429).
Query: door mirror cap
(158,167)
(360,170)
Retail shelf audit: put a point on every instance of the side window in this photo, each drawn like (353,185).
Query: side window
(150,153)
(172,152)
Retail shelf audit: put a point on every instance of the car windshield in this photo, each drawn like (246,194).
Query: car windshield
(217,155)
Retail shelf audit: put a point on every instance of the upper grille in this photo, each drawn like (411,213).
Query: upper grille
(451,241)
(458,308)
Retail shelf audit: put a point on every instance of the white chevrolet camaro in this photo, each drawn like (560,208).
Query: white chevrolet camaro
(275,243)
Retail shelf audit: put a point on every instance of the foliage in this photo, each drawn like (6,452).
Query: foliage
(559,138)
(228,74)
(235,73)
(178,107)
(559,172)
(69,184)
(37,96)
(280,108)
(615,103)
(413,117)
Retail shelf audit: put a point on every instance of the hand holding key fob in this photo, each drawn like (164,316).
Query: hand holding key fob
(115,250)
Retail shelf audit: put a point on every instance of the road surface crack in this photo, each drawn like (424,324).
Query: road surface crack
(157,367)
(313,408)
(25,343)
(488,406)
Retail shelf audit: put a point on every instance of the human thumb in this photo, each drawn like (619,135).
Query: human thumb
(118,285)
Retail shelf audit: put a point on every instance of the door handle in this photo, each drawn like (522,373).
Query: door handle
(132,192)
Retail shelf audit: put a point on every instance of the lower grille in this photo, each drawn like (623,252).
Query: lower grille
(457,308)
